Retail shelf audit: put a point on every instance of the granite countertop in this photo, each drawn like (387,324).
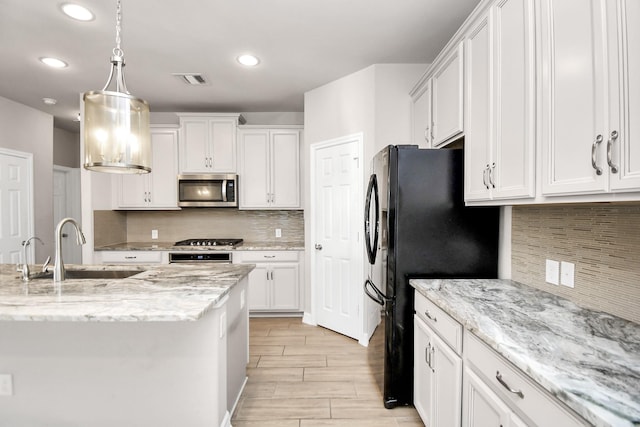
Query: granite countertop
(274,245)
(183,292)
(588,359)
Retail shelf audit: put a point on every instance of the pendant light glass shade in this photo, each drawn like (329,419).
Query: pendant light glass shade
(116,132)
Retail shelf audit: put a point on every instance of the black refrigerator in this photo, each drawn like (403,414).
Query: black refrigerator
(417,226)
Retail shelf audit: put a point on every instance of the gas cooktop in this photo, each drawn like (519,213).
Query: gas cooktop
(209,242)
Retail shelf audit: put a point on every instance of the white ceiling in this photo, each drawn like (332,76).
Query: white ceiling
(302,44)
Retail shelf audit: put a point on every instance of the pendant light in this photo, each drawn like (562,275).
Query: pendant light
(116,124)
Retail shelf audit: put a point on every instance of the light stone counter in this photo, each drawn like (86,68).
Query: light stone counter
(178,292)
(274,245)
(587,359)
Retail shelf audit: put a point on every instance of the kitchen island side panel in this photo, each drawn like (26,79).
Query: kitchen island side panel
(115,373)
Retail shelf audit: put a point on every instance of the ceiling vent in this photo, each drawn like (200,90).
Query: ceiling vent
(193,79)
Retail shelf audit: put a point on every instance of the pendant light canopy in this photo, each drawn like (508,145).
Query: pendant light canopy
(116,124)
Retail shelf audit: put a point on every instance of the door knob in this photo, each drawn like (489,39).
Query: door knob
(318,247)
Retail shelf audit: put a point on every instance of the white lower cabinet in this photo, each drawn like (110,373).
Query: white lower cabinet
(274,285)
(437,367)
(497,393)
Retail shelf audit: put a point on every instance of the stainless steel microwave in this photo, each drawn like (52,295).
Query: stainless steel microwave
(208,190)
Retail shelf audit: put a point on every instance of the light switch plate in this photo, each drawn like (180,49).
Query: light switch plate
(6,385)
(278,232)
(552,272)
(154,234)
(567,273)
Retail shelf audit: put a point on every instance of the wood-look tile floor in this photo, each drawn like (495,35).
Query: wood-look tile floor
(308,376)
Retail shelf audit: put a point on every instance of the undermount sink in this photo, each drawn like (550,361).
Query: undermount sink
(91,274)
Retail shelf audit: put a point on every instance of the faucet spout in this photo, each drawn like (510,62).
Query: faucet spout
(24,268)
(58,268)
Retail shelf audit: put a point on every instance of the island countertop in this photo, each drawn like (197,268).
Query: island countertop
(182,292)
(588,359)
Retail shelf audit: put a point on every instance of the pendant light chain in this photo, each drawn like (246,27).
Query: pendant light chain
(117,51)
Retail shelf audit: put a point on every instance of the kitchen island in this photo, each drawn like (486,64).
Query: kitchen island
(586,359)
(167,346)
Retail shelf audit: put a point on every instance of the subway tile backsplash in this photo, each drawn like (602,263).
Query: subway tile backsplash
(602,240)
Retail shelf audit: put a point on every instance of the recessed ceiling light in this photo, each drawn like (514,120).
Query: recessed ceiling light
(248,60)
(77,12)
(54,62)
(50,101)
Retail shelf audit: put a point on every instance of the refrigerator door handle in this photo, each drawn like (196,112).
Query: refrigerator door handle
(372,247)
(379,297)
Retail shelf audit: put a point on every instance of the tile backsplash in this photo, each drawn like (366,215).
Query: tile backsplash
(602,240)
(252,226)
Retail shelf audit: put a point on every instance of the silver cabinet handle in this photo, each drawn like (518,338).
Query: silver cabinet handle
(485,175)
(318,247)
(432,361)
(594,148)
(130,257)
(269,256)
(429,316)
(426,134)
(149,196)
(614,136)
(505,385)
(491,172)
(427,354)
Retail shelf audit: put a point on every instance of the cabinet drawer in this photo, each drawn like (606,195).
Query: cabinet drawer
(443,324)
(269,256)
(131,257)
(527,398)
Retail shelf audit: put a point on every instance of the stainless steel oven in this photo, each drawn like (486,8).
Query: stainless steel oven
(208,190)
(218,257)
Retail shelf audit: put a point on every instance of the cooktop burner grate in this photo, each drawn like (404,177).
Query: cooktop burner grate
(209,242)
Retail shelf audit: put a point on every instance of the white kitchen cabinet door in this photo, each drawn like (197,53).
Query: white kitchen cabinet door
(421,117)
(574,97)
(259,288)
(222,133)
(437,379)
(254,169)
(285,286)
(481,407)
(194,146)
(285,169)
(157,189)
(269,168)
(500,104)
(512,173)
(447,98)
(624,84)
(163,179)
(208,143)
(478,134)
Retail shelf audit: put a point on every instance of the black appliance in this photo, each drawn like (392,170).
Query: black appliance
(209,242)
(415,218)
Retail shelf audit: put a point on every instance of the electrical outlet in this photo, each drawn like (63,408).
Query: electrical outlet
(154,234)
(6,385)
(278,232)
(567,273)
(552,271)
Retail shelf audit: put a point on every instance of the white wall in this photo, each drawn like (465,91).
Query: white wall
(28,130)
(374,101)
(66,148)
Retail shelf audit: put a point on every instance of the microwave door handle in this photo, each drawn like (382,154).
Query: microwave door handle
(224,190)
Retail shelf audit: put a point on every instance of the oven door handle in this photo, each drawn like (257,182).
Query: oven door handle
(379,297)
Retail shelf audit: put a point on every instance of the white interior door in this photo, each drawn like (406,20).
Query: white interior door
(337,222)
(16,204)
(66,203)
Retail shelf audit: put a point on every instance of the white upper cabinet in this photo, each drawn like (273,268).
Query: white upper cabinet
(447,98)
(269,168)
(590,92)
(500,103)
(623,152)
(208,143)
(157,189)
(421,116)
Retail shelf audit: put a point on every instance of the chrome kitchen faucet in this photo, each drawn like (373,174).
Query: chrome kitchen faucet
(58,268)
